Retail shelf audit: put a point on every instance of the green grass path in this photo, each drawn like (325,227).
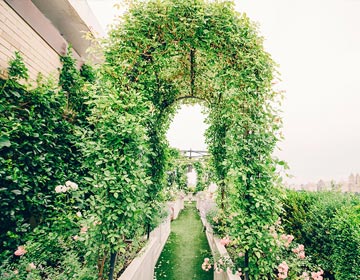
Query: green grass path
(185,249)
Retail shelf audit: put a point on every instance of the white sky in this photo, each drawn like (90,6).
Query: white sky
(317,45)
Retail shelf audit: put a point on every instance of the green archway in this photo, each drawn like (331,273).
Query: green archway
(165,52)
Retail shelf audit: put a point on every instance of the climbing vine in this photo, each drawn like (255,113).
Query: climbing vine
(173,51)
(202,174)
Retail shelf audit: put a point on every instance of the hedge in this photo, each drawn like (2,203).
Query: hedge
(328,224)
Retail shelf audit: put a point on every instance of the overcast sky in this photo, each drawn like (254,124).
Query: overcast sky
(317,45)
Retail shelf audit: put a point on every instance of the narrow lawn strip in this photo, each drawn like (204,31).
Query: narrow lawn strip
(185,250)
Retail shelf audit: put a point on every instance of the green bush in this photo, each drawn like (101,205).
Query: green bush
(327,224)
(37,153)
(345,232)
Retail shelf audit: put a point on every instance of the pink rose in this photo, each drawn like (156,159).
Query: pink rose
(84,229)
(225,241)
(301,255)
(20,251)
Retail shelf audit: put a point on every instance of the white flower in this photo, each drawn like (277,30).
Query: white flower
(30,267)
(60,189)
(78,214)
(71,185)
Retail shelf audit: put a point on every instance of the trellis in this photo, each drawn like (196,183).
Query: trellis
(167,52)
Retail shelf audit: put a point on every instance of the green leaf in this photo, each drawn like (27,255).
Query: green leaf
(4,141)
(17,192)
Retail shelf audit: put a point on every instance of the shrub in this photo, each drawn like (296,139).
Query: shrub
(36,154)
(345,232)
(325,222)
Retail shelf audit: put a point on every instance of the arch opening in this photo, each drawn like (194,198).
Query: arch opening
(171,51)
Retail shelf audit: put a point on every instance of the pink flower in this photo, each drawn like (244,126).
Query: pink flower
(206,265)
(296,250)
(283,270)
(287,238)
(20,251)
(300,251)
(301,255)
(305,276)
(317,275)
(218,270)
(225,241)
(84,229)
(75,237)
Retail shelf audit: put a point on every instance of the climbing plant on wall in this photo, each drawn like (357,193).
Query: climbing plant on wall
(172,51)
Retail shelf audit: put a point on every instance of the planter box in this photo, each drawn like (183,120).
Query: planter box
(175,207)
(204,205)
(143,266)
(218,250)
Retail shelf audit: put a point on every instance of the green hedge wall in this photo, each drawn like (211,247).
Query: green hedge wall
(328,224)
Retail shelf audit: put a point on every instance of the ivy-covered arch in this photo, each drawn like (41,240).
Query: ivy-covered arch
(167,52)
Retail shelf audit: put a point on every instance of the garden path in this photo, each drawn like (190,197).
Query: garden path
(185,250)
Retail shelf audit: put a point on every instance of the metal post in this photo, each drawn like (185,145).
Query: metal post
(112,265)
(246,265)
(148,231)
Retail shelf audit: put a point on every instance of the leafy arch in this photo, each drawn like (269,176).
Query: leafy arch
(164,52)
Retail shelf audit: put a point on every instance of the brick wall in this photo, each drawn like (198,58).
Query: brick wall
(16,34)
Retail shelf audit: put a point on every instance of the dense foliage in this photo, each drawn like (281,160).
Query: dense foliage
(110,136)
(170,51)
(328,224)
(37,153)
(176,175)
(203,174)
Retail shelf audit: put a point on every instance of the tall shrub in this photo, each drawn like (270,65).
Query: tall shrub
(326,223)
(35,156)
